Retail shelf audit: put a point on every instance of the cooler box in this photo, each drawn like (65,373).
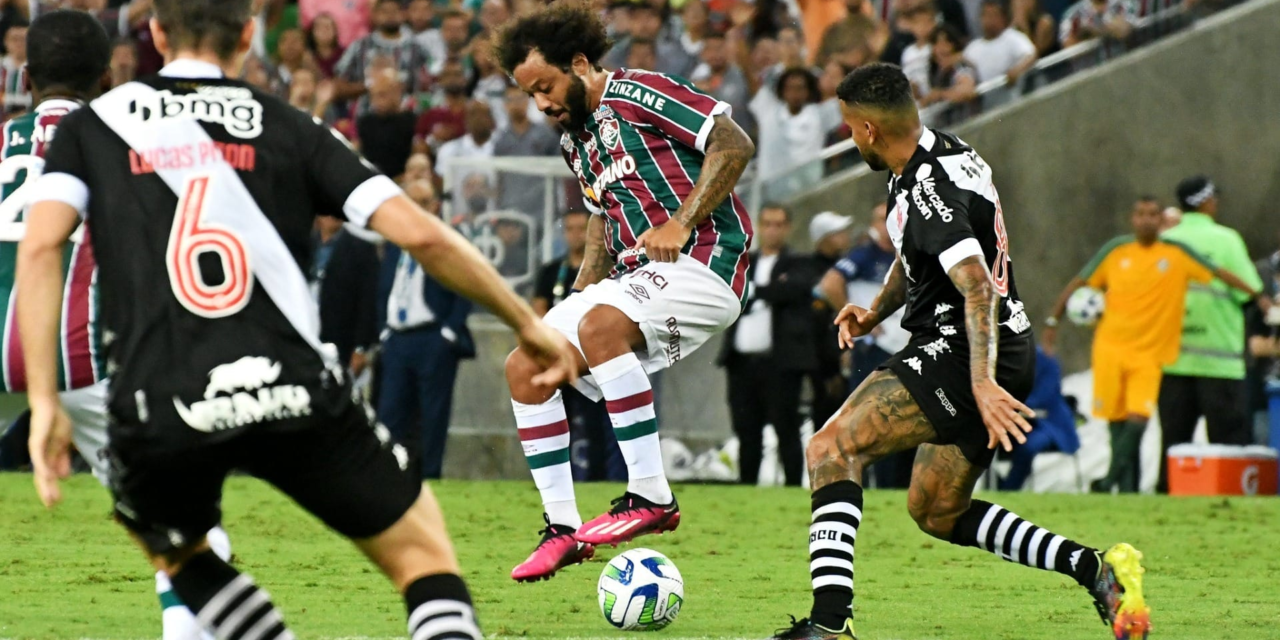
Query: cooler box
(1222,470)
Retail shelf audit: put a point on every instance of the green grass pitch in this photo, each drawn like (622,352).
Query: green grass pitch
(1212,567)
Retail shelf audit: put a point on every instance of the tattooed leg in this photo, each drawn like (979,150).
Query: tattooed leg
(878,419)
(942,482)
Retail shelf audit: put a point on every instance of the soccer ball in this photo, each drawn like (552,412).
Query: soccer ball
(640,590)
(1085,306)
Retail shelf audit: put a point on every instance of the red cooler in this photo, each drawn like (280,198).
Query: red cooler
(1222,470)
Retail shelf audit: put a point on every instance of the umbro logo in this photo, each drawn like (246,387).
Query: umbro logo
(640,291)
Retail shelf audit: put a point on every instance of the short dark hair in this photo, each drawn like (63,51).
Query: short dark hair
(559,32)
(777,206)
(878,85)
(67,49)
(950,32)
(1002,5)
(810,82)
(193,24)
(1147,197)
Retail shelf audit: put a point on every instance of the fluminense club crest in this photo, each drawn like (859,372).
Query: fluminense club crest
(610,135)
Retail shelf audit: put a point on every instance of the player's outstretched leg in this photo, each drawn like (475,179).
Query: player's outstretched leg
(940,502)
(544,435)
(177,620)
(609,340)
(878,419)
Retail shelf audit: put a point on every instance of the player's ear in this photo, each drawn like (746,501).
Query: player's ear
(159,38)
(580,65)
(104,83)
(246,37)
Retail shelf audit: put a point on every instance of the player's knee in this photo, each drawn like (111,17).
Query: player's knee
(520,370)
(935,515)
(604,334)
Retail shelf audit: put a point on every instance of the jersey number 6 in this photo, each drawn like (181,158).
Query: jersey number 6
(1000,268)
(191,237)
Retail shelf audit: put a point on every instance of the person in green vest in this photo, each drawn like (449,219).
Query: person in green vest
(1208,377)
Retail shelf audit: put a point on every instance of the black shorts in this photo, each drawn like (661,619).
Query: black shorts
(335,463)
(935,370)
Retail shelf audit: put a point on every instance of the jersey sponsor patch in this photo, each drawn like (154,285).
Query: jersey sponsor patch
(239,394)
(232,107)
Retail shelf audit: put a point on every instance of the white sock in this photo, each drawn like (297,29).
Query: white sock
(176,618)
(629,399)
(544,434)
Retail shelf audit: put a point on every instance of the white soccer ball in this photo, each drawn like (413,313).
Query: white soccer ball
(640,590)
(1085,306)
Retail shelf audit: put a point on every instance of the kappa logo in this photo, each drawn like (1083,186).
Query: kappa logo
(936,347)
(915,364)
(238,394)
(232,107)
(947,330)
(942,308)
(610,134)
(1075,558)
(946,404)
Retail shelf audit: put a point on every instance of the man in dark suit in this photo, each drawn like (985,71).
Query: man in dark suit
(425,338)
(344,277)
(769,351)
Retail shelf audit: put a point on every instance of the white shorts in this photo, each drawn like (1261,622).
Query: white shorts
(87,408)
(678,305)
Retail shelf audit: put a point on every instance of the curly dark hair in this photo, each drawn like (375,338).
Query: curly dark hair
(810,83)
(879,86)
(559,31)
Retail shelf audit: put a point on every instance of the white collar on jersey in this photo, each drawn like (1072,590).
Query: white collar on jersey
(56,103)
(927,137)
(187,68)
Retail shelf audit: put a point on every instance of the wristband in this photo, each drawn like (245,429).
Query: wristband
(1051,322)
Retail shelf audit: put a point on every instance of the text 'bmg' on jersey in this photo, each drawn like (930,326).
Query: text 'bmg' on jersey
(942,209)
(193,336)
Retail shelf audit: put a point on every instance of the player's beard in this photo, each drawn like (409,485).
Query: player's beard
(873,159)
(575,101)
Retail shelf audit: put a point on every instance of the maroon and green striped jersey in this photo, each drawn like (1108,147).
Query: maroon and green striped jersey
(80,353)
(638,158)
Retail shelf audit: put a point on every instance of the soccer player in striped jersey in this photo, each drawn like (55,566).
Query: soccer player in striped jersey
(665,266)
(68,53)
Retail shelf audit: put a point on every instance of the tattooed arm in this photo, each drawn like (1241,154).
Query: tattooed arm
(1003,414)
(596,262)
(729,149)
(854,321)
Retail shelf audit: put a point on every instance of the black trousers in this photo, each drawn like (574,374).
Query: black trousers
(759,394)
(1184,399)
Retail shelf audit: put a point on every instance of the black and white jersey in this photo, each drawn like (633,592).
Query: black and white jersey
(942,209)
(199,195)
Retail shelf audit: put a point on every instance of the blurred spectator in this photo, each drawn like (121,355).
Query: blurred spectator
(489,82)
(350,18)
(643,54)
(388,39)
(421,20)
(322,39)
(417,167)
(792,121)
(1033,21)
(920,22)
(1002,50)
(13,70)
(291,54)
(493,13)
(259,73)
(1089,19)
(693,17)
(124,62)
(1208,378)
(514,236)
(646,24)
(589,426)
(718,76)
(523,137)
(770,350)
(455,31)
(829,233)
(386,131)
(952,79)
(447,120)
(309,94)
(475,197)
(1264,347)
(425,338)
(344,281)
(1054,425)
(849,39)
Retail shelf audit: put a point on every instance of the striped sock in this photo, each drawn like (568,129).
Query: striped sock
(177,621)
(226,602)
(1002,532)
(629,399)
(544,434)
(837,512)
(440,609)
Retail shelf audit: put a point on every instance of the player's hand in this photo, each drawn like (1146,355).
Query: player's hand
(552,351)
(50,448)
(854,322)
(1002,414)
(1049,340)
(359,360)
(664,242)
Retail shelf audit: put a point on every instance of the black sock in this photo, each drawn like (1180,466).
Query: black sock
(1002,532)
(837,512)
(226,602)
(440,608)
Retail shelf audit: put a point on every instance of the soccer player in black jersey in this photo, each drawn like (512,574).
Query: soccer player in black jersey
(198,194)
(955,390)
